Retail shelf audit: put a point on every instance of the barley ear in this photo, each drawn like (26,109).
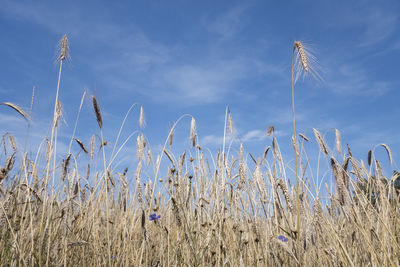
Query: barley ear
(171,137)
(388,152)
(369,157)
(12,142)
(64,48)
(271,129)
(302,54)
(295,146)
(141,144)
(266,152)
(80,143)
(338,141)
(230,122)
(97,111)
(242,169)
(33,97)
(17,109)
(320,141)
(141,117)
(305,138)
(193,132)
(92,144)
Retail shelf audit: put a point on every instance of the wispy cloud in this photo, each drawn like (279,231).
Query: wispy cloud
(254,135)
(228,24)
(11,120)
(205,82)
(351,79)
(126,59)
(379,25)
(212,140)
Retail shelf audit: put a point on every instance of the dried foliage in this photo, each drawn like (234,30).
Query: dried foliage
(224,210)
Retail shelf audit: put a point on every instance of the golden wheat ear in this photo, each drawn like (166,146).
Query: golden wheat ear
(305,62)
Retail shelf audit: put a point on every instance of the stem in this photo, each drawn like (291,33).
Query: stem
(295,156)
(48,163)
(107,204)
(226,118)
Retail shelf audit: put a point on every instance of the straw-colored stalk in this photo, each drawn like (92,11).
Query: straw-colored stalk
(302,56)
(99,119)
(62,55)
(296,46)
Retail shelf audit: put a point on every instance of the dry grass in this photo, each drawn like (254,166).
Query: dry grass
(208,211)
(206,218)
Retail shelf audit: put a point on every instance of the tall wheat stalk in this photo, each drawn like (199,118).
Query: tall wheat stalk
(300,64)
(62,55)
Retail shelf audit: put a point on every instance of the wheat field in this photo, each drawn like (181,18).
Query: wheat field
(231,209)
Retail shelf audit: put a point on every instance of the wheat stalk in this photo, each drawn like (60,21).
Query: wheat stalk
(302,57)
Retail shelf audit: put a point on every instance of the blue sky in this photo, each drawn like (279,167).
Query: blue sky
(197,57)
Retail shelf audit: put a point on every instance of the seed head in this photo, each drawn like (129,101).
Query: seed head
(305,62)
(230,122)
(193,131)
(141,117)
(63,49)
(97,111)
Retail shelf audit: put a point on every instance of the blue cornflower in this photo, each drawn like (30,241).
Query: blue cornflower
(113,257)
(283,238)
(154,217)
